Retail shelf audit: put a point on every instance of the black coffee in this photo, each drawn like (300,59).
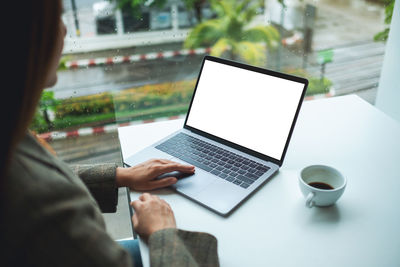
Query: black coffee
(320,185)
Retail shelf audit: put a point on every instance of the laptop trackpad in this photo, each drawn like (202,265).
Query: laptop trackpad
(194,183)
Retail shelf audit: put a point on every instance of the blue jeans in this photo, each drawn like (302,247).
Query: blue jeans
(132,246)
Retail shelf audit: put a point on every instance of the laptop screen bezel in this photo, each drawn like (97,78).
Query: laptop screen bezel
(259,70)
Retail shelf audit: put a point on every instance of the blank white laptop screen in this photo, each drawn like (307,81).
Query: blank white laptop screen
(247,108)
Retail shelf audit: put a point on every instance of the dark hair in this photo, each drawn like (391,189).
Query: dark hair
(29,48)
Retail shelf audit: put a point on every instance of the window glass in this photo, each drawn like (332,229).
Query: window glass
(189,16)
(161,19)
(129,61)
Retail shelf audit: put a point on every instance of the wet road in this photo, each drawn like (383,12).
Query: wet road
(93,80)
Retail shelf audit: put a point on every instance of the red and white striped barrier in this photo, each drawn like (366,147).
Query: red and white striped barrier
(84,63)
(110,128)
(295,38)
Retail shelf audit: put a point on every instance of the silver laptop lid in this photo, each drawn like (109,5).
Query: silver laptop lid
(249,108)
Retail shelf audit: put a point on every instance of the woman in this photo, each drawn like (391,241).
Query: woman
(49,217)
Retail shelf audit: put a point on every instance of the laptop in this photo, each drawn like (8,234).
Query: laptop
(236,133)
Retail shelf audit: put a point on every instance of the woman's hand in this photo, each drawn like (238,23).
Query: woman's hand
(151,215)
(141,177)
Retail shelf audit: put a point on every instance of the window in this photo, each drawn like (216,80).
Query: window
(127,64)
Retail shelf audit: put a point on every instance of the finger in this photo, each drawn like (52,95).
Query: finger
(162,182)
(145,196)
(135,220)
(176,167)
(136,205)
(174,162)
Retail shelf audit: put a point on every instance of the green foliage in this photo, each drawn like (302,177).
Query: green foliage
(38,123)
(93,104)
(48,101)
(383,35)
(142,97)
(315,84)
(147,101)
(105,118)
(231,35)
(62,64)
(40,120)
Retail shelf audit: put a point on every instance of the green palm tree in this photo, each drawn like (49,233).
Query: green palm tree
(231,35)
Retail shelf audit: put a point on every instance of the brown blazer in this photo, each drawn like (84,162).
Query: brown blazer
(49,217)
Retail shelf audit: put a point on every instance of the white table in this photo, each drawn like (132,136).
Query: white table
(273,227)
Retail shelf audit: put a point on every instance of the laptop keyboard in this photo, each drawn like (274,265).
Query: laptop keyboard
(232,167)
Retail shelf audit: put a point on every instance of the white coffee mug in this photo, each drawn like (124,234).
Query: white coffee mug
(321,185)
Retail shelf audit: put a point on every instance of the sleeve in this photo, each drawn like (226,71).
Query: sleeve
(174,247)
(100,179)
(66,229)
